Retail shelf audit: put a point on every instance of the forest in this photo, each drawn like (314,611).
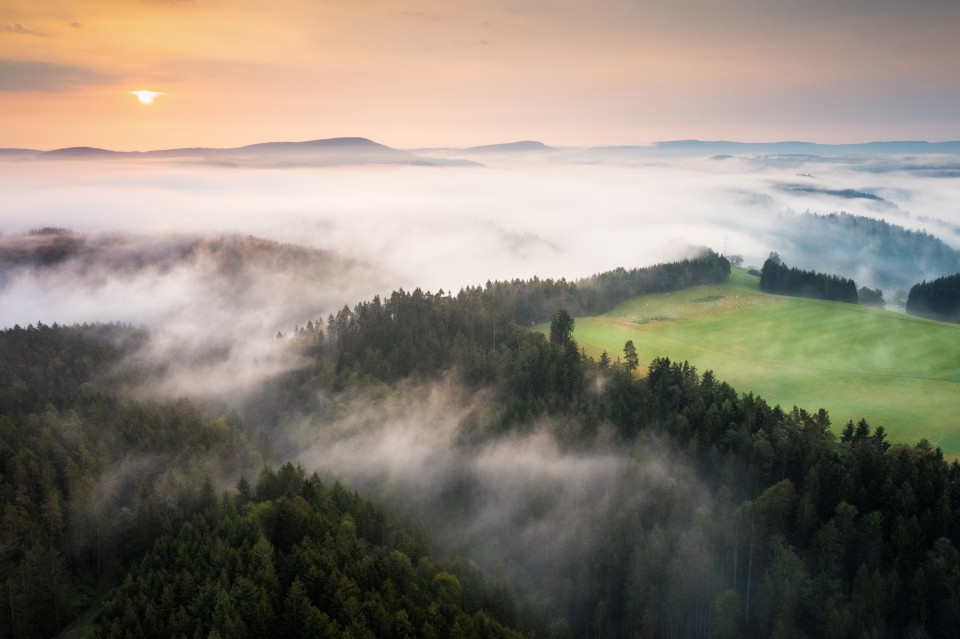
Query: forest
(127,515)
(776,277)
(938,299)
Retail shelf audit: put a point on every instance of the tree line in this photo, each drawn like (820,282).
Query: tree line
(939,299)
(424,333)
(776,277)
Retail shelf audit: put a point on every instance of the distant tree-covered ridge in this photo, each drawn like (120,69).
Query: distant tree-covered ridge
(939,299)
(230,255)
(882,254)
(776,277)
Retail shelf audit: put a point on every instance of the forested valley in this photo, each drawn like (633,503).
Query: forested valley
(705,512)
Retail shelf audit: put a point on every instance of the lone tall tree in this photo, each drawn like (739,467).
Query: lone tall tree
(630,358)
(561,327)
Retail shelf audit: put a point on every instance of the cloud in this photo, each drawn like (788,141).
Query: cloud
(32,75)
(16,27)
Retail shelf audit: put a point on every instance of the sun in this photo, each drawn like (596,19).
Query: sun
(146,97)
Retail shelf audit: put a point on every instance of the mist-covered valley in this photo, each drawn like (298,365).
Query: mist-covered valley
(604,504)
(545,212)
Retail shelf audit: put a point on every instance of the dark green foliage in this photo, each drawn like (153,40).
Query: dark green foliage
(776,277)
(88,480)
(939,299)
(870,297)
(312,561)
(42,364)
(804,535)
(423,334)
(561,328)
(630,359)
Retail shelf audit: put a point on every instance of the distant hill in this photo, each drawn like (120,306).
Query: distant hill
(11,154)
(723,148)
(524,146)
(810,148)
(358,150)
(234,257)
(82,152)
(325,152)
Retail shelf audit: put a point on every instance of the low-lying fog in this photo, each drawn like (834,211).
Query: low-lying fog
(523,503)
(547,213)
(451,226)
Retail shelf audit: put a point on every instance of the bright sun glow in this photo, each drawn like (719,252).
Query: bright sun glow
(146,97)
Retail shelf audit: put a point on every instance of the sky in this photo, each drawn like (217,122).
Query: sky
(426,73)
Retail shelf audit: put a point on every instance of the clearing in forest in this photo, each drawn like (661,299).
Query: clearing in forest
(893,369)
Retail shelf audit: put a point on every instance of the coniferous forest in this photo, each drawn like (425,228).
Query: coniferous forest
(776,277)
(128,515)
(939,299)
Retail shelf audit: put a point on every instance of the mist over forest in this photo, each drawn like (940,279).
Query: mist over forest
(271,334)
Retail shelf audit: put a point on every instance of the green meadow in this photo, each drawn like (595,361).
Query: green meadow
(895,370)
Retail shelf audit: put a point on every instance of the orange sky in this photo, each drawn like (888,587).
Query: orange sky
(459,73)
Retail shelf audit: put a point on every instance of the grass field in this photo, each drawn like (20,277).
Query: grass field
(895,370)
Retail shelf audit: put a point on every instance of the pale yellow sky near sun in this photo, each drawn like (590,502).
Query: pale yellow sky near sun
(453,72)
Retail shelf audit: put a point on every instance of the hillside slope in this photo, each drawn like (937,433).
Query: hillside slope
(897,371)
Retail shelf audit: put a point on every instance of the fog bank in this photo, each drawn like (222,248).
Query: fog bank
(566,215)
